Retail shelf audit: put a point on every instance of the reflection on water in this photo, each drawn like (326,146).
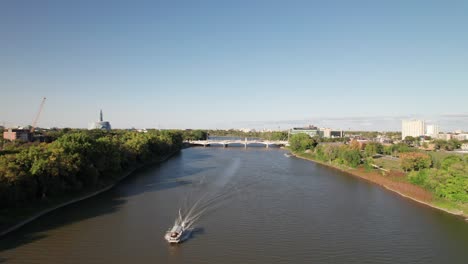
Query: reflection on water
(293,211)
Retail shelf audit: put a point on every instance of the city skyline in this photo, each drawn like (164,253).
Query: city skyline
(214,64)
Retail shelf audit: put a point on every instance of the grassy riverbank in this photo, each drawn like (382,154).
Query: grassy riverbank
(13,218)
(396,182)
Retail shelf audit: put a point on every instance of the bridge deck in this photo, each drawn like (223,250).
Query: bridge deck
(242,142)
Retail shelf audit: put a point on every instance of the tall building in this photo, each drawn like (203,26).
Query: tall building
(413,128)
(432,130)
(101,124)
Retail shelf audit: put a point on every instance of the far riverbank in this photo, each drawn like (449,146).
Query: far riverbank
(397,185)
(26,215)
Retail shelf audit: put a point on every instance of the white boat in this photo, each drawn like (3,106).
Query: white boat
(177,234)
(180,231)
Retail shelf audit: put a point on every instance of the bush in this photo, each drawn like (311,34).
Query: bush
(415,161)
(418,177)
(449,182)
(350,156)
(373,148)
(301,142)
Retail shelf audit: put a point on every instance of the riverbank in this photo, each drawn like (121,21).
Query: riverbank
(396,184)
(31,214)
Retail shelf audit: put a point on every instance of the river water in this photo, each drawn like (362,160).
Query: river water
(277,209)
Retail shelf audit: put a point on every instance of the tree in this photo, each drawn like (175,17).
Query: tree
(350,156)
(448,145)
(415,161)
(410,141)
(330,152)
(373,148)
(301,142)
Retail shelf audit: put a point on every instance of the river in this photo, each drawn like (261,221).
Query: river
(278,209)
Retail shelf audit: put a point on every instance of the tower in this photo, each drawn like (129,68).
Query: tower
(101,124)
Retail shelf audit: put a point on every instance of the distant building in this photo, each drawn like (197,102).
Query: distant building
(101,124)
(445,136)
(383,139)
(329,133)
(17,134)
(247,130)
(432,130)
(312,131)
(460,136)
(413,128)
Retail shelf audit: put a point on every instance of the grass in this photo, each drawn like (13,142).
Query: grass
(388,164)
(437,156)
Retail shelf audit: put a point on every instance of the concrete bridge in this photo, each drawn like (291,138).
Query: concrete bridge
(226,143)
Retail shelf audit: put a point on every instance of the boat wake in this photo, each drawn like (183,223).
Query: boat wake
(195,205)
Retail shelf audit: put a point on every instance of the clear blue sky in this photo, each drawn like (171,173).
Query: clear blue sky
(232,64)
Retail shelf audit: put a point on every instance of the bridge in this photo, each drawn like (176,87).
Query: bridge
(226,143)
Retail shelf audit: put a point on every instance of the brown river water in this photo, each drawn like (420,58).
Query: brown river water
(276,209)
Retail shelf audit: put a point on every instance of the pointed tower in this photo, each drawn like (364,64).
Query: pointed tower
(101,124)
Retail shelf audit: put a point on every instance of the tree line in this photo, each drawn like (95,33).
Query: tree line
(273,135)
(76,161)
(446,176)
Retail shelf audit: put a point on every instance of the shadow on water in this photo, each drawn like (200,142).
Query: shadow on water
(147,179)
(197,231)
(37,229)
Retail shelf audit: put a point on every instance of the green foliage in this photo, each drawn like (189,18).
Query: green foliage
(195,135)
(448,145)
(373,148)
(451,161)
(415,161)
(418,177)
(396,149)
(77,160)
(343,154)
(350,156)
(402,148)
(330,152)
(449,182)
(301,142)
(368,162)
(275,135)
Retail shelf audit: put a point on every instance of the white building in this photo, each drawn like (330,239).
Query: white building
(445,136)
(101,124)
(413,128)
(432,130)
(460,136)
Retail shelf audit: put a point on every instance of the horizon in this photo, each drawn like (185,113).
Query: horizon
(221,65)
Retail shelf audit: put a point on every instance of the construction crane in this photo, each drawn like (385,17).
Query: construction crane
(33,127)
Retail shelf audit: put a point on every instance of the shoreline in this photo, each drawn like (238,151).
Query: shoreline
(45,211)
(355,174)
